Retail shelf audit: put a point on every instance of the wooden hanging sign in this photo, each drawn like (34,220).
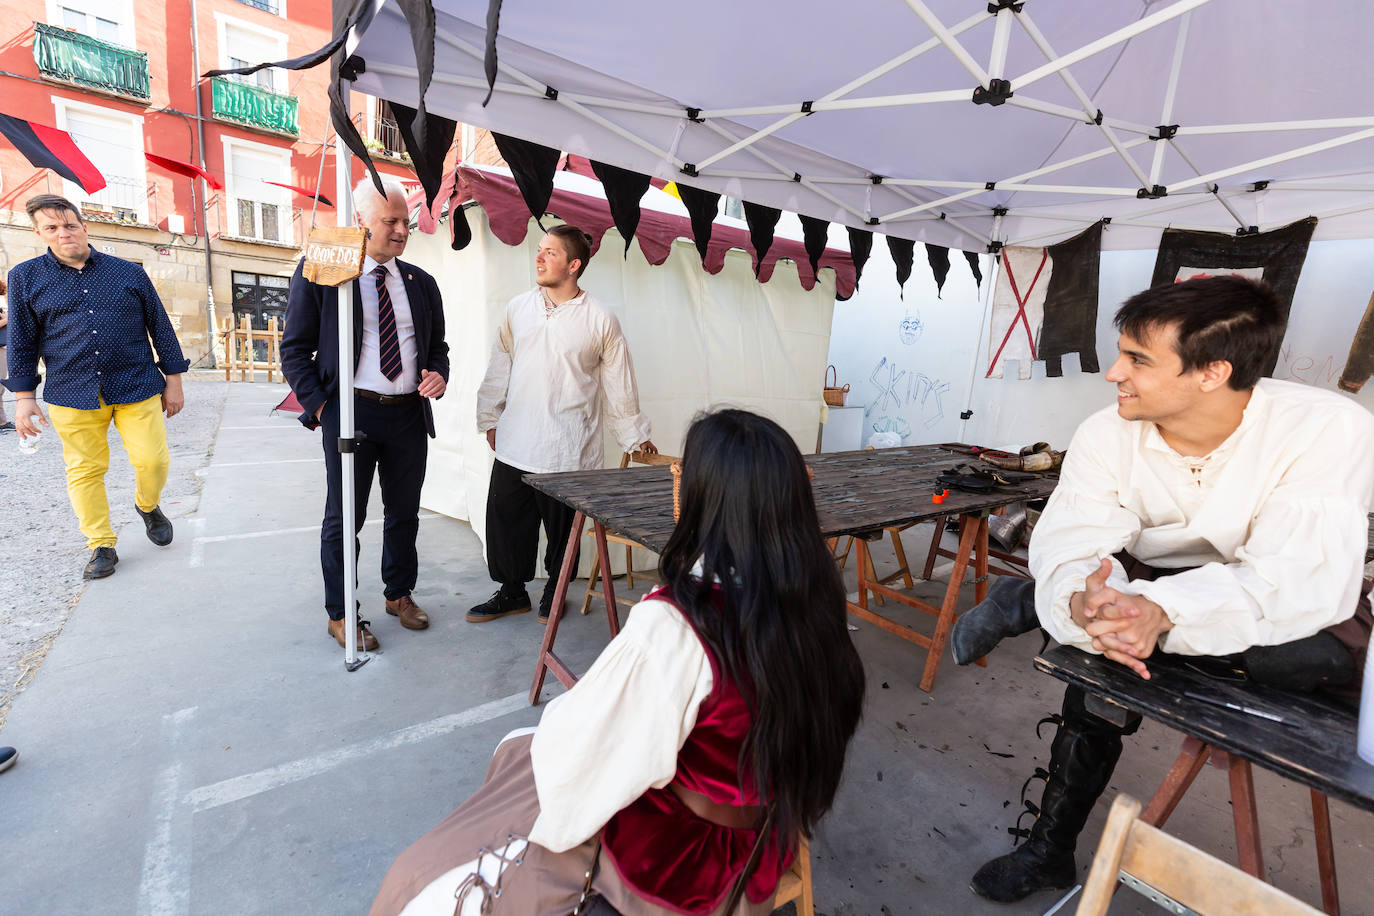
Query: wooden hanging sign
(333,256)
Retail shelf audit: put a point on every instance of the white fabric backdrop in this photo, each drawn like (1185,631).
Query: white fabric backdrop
(697,341)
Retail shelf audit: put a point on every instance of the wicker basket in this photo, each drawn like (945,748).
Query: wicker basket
(834,394)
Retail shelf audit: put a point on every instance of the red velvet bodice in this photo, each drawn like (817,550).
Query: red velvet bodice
(669,855)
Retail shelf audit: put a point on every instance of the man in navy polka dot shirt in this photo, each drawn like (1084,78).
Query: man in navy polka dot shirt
(89,316)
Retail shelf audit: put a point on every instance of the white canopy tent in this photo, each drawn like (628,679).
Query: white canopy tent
(864,113)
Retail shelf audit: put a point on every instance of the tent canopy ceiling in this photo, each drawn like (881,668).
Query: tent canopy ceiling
(1261,91)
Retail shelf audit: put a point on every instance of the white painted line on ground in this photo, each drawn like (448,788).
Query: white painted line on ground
(284,424)
(239,788)
(198,545)
(165,889)
(201,472)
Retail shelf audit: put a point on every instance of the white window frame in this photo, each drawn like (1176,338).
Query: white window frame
(233,184)
(222,26)
(73,191)
(123,11)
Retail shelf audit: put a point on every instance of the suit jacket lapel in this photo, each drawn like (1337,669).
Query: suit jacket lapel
(357,323)
(419,311)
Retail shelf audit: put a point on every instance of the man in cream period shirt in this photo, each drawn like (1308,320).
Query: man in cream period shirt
(1210,513)
(558,355)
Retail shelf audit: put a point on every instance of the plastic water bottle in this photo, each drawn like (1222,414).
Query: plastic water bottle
(30,445)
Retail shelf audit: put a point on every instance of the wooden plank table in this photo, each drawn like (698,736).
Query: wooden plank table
(1314,745)
(857,493)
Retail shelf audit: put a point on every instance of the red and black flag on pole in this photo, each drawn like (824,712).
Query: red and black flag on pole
(49,148)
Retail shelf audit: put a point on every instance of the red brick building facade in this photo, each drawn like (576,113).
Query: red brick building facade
(122,77)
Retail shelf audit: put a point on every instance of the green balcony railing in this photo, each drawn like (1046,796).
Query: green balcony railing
(253,106)
(72,57)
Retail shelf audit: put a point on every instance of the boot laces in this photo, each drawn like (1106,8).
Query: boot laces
(1018,832)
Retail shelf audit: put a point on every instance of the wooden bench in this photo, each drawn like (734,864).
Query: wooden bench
(1312,744)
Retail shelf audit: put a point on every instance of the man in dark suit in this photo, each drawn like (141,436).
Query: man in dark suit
(401,360)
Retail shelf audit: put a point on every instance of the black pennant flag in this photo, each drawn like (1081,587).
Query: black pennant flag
(533,166)
(975,266)
(489,58)
(624,189)
(762,221)
(701,207)
(428,161)
(938,256)
(814,235)
(860,247)
(458,226)
(903,255)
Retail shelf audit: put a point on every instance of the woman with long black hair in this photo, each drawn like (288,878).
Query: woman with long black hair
(678,774)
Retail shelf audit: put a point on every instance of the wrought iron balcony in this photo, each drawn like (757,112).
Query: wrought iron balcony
(253,106)
(71,57)
(267,6)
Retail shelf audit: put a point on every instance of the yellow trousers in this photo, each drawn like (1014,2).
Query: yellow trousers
(86,452)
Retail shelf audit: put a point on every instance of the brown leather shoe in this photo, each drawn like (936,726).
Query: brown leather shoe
(366,640)
(412,618)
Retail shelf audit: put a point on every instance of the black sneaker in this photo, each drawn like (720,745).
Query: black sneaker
(101,564)
(7,426)
(8,756)
(546,605)
(159,529)
(500,604)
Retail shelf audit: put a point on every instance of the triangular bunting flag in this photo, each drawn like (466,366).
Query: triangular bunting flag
(428,154)
(533,166)
(975,265)
(49,148)
(762,221)
(815,232)
(938,256)
(624,189)
(903,255)
(860,247)
(701,207)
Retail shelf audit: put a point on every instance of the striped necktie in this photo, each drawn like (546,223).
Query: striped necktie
(388,342)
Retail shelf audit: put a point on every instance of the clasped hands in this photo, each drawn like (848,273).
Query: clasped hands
(1124,628)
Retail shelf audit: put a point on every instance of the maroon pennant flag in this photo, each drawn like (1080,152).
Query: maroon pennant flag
(49,148)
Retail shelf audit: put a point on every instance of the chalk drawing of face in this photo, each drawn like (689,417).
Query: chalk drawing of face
(910,329)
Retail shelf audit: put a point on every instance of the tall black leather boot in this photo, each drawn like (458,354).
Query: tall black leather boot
(1008,610)
(1082,757)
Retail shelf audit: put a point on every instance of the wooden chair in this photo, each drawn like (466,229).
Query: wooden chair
(629,545)
(1145,857)
(796,884)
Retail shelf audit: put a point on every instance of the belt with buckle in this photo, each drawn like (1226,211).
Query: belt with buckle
(387,398)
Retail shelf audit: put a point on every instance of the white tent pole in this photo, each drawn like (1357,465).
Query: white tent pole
(1001,38)
(1298,153)
(1214,189)
(993,277)
(347,431)
(1125,33)
(968,230)
(1274,126)
(1077,115)
(1157,166)
(1089,108)
(937,28)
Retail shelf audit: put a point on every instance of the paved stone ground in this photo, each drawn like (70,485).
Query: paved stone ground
(41,551)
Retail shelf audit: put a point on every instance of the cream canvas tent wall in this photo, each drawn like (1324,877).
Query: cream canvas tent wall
(697,339)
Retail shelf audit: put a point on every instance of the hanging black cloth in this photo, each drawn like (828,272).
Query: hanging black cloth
(428,161)
(815,232)
(860,247)
(533,166)
(903,255)
(1280,252)
(1070,322)
(701,207)
(624,189)
(938,256)
(459,229)
(762,221)
(976,267)
(489,58)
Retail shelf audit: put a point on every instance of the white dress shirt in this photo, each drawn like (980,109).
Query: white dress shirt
(369,372)
(546,381)
(1274,520)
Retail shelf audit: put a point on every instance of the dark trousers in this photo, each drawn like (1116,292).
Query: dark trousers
(395,447)
(514,512)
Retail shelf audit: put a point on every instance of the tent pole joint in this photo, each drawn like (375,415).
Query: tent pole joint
(551,93)
(990,186)
(806,107)
(1098,119)
(872,221)
(998,5)
(352,67)
(1153,193)
(694,115)
(1247,230)
(996,93)
(348,446)
(1165,132)
(1259,185)
(689,169)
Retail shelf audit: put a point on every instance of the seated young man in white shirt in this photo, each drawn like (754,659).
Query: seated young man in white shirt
(1211,513)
